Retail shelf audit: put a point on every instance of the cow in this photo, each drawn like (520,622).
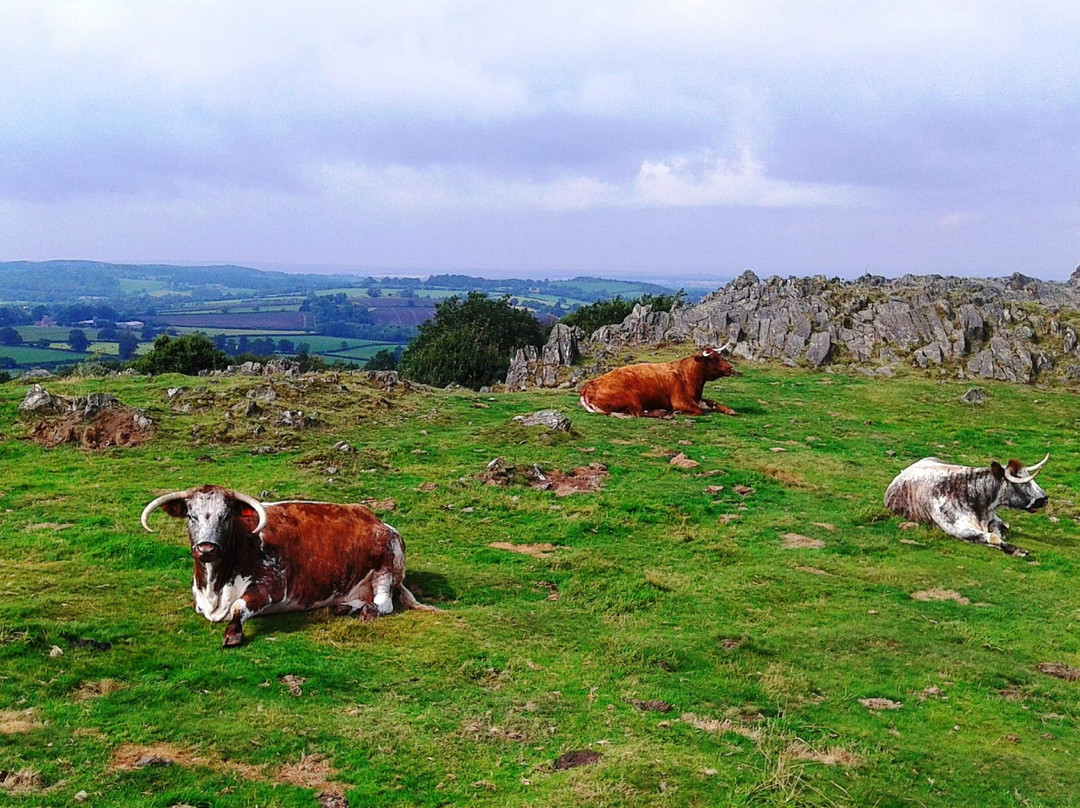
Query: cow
(253,558)
(656,388)
(963,501)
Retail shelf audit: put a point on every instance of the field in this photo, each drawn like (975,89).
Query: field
(754,630)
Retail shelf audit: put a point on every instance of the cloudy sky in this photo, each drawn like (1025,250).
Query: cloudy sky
(619,137)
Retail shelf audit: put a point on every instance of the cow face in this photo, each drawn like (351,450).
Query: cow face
(1019,489)
(713,364)
(209,516)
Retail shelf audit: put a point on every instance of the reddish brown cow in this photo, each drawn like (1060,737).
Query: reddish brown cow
(253,558)
(655,388)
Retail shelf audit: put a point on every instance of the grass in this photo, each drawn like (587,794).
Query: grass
(654,592)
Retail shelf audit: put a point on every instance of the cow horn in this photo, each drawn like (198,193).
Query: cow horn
(157,503)
(1029,472)
(1033,470)
(727,347)
(258,507)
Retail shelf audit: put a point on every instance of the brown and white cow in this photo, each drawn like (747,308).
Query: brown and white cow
(963,501)
(254,558)
(656,388)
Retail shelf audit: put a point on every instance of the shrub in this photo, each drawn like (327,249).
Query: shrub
(187,354)
(469,342)
(606,312)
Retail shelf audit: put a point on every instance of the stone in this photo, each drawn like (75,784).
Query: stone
(549,419)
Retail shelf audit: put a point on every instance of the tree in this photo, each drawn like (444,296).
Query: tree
(383,360)
(127,343)
(469,342)
(187,354)
(9,336)
(77,340)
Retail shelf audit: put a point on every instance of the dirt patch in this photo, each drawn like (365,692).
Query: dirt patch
(311,772)
(940,594)
(24,781)
(379,504)
(797,541)
(579,480)
(1059,670)
(540,550)
(50,526)
(94,690)
(571,760)
(721,725)
(295,684)
(118,426)
(833,756)
(880,704)
(13,722)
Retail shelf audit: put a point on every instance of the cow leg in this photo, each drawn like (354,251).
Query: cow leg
(246,606)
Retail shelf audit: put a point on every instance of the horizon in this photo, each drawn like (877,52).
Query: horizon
(630,139)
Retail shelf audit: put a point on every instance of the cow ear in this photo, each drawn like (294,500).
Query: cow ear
(700,357)
(177,508)
(997,470)
(247,512)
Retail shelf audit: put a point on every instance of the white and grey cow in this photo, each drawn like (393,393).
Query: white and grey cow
(963,501)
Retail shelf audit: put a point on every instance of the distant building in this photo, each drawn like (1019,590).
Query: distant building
(131,325)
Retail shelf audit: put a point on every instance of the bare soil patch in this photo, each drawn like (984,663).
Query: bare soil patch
(940,594)
(24,781)
(539,550)
(833,756)
(579,480)
(1059,670)
(104,429)
(797,541)
(13,722)
(722,725)
(876,704)
(94,690)
(571,760)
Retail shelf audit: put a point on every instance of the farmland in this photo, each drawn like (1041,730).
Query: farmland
(754,630)
(244,304)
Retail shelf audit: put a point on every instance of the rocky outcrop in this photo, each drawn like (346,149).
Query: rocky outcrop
(1016,329)
(549,366)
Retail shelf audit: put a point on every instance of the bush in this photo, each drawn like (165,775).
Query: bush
(469,342)
(383,360)
(187,354)
(606,312)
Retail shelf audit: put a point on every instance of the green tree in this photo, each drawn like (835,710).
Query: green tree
(383,360)
(77,340)
(9,336)
(605,312)
(187,354)
(469,342)
(127,343)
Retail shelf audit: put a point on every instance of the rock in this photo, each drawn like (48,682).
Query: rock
(976,395)
(545,368)
(683,462)
(549,419)
(39,401)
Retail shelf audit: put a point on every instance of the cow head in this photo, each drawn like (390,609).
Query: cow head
(209,511)
(714,363)
(1019,489)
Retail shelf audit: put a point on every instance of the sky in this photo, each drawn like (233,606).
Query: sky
(629,138)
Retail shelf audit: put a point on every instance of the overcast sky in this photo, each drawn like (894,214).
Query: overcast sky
(615,137)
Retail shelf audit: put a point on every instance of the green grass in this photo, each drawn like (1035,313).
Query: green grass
(653,592)
(35,356)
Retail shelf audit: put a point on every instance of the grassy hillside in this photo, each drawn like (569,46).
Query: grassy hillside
(668,585)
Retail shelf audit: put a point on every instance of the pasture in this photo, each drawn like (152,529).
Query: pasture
(752,630)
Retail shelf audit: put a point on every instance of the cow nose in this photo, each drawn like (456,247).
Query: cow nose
(1039,502)
(205,551)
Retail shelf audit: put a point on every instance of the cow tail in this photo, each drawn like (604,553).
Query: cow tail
(409,601)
